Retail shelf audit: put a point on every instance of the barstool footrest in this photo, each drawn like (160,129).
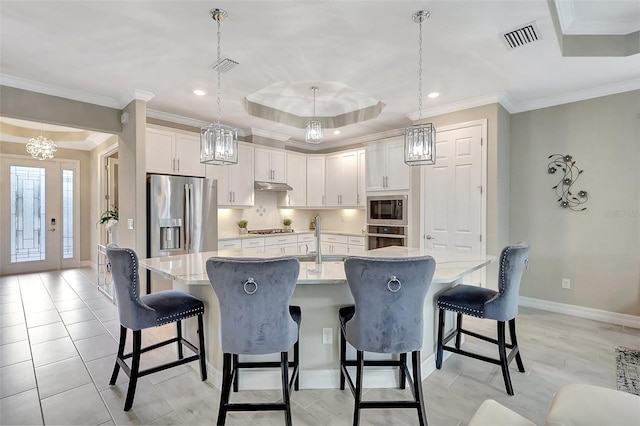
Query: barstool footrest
(389,404)
(258,406)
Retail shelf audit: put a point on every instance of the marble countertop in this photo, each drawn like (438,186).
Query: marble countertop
(191,269)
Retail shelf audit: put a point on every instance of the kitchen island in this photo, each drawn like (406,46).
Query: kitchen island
(321,291)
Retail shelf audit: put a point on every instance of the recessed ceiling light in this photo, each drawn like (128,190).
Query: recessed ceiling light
(336,132)
(199,92)
(433,95)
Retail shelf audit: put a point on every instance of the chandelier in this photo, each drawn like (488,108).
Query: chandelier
(218,143)
(314,127)
(41,147)
(420,139)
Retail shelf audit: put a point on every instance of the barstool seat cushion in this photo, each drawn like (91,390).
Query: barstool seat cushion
(172,305)
(466,299)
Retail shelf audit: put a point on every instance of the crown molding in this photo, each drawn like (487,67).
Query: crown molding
(581,95)
(267,134)
(501,98)
(61,92)
(136,95)
(179,119)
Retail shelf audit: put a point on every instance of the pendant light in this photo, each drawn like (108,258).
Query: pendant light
(218,143)
(420,139)
(314,127)
(41,148)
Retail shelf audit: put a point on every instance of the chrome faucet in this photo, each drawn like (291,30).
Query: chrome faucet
(318,242)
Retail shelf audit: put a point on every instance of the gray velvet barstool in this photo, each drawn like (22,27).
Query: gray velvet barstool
(501,305)
(255,319)
(387,318)
(137,312)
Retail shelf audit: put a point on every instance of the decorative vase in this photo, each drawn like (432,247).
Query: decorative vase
(287,227)
(242,231)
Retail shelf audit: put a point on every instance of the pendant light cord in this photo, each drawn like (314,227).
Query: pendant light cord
(218,72)
(420,74)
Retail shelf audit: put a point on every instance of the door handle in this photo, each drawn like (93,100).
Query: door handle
(429,237)
(51,229)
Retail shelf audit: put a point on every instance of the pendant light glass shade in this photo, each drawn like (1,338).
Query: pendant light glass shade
(218,143)
(41,148)
(419,145)
(314,127)
(420,139)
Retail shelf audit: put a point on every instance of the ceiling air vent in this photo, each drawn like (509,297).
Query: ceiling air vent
(224,65)
(528,33)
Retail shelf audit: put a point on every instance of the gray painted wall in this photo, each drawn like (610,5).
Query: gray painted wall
(598,249)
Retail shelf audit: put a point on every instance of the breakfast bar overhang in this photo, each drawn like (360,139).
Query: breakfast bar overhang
(322,290)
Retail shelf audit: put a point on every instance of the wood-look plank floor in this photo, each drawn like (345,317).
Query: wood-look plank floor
(57,349)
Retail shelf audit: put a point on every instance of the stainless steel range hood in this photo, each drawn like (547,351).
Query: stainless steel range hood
(271,186)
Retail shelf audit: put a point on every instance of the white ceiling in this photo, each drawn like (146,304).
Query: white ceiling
(105,51)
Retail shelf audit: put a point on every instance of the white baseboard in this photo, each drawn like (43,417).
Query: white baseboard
(582,312)
(88,264)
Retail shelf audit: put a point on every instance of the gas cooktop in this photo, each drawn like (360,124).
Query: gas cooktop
(270,231)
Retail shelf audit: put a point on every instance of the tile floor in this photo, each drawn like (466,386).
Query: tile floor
(57,349)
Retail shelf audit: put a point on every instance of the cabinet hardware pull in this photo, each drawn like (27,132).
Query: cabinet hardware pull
(178,164)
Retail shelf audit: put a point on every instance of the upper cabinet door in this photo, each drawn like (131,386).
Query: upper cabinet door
(262,164)
(159,151)
(362,191)
(241,177)
(221,174)
(349,179)
(375,168)
(385,167)
(297,179)
(333,180)
(270,165)
(315,181)
(279,166)
(398,173)
(187,153)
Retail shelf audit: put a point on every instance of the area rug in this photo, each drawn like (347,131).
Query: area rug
(628,369)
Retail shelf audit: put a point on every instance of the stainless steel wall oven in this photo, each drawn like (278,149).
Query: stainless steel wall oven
(379,236)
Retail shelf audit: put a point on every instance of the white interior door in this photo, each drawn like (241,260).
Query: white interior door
(453,193)
(38,215)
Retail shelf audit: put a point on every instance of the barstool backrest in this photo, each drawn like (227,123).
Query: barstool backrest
(513,261)
(254,296)
(389,295)
(132,312)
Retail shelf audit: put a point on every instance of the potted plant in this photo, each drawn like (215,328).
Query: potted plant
(109,218)
(242,224)
(287,223)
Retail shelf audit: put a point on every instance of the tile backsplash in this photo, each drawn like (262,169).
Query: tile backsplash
(265,214)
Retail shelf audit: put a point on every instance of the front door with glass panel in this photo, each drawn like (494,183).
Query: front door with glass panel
(37,215)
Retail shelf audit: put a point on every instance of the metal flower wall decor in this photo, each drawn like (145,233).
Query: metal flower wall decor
(572,173)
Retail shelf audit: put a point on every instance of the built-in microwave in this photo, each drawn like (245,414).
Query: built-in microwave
(387,210)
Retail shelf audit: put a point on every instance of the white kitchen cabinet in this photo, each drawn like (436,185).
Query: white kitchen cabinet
(297,179)
(385,167)
(306,243)
(315,181)
(229,244)
(253,242)
(342,179)
(355,244)
(235,182)
(334,244)
(270,165)
(362,171)
(174,153)
(282,244)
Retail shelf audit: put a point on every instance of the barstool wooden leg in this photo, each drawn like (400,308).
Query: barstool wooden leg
(235,372)
(296,364)
(358,393)
(514,342)
(179,335)
(226,389)
(202,349)
(504,364)
(135,368)
(116,368)
(343,357)
(284,369)
(458,329)
(417,386)
(440,338)
(403,377)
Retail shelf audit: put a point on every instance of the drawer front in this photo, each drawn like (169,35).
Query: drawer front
(305,238)
(280,239)
(329,238)
(356,241)
(253,243)
(229,244)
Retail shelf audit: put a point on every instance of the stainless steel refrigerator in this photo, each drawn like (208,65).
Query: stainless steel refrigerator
(182,215)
